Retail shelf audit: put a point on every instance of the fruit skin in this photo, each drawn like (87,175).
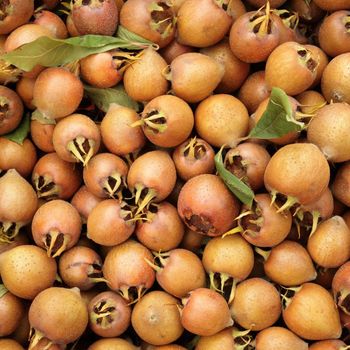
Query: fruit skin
(59,306)
(221,119)
(178,124)
(111,344)
(256,304)
(312,314)
(195,20)
(251,46)
(11,310)
(155,318)
(206,205)
(205,312)
(329,133)
(341,184)
(195,76)
(15,156)
(10,344)
(118,317)
(329,245)
(57,92)
(154,170)
(144,79)
(301,70)
(26,270)
(335,78)
(95,17)
(279,338)
(19,13)
(117,134)
(125,267)
(298,170)
(139,17)
(11,110)
(18,200)
(289,264)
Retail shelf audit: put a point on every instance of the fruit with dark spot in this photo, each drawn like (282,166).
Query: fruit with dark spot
(341,288)
(206,205)
(52,22)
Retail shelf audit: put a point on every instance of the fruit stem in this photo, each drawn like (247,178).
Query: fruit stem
(212,281)
(233,291)
(3,290)
(54,236)
(35,336)
(190,147)
(76,147)
(315,217)
(9,73)
(234,230)
(166,73)
(45,187)
(243,214)
(114,190)
(263,29)
(151,194)
(9,230)
(151,122)
(288,204)
(154,266)
(264,253)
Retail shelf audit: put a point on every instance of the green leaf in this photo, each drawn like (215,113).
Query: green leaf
(50,52)
(3,290)
(102,98)
(277,120)
(235,185)
(131,37)
(21,132)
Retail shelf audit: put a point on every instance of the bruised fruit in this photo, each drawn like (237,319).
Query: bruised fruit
(206,205)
